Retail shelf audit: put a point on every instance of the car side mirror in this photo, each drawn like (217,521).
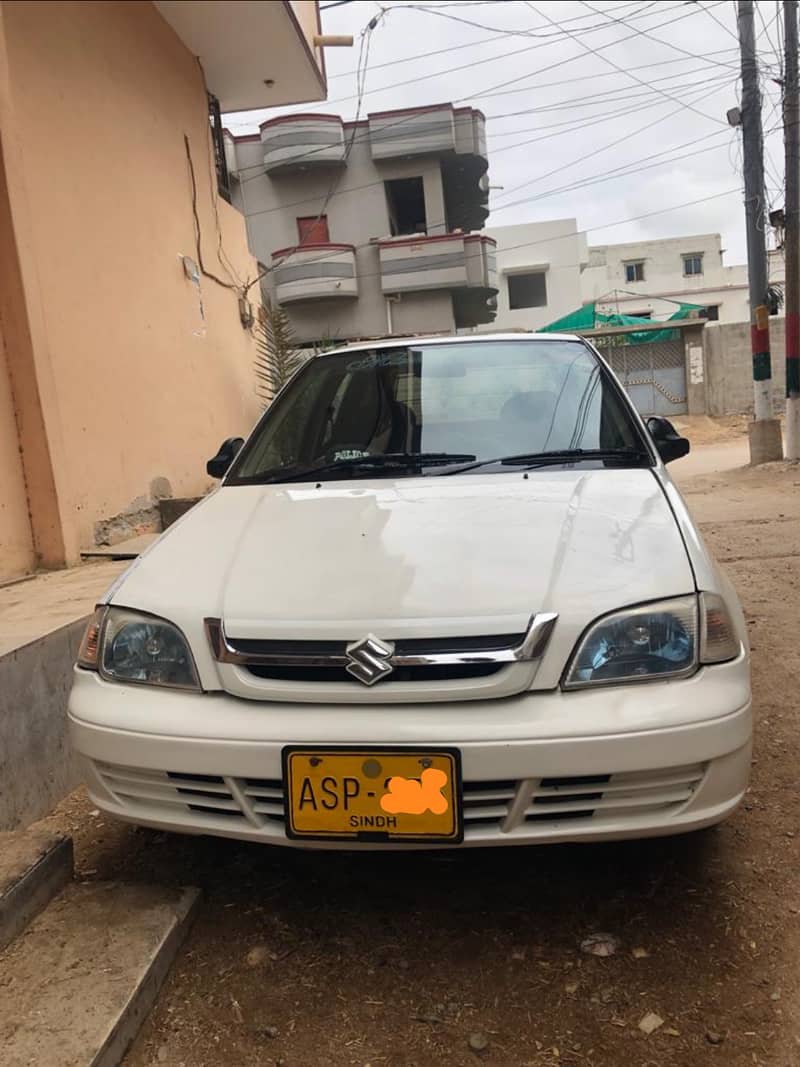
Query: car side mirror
(669,443)
(217,466)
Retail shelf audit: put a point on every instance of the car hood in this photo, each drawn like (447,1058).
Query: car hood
(436,557)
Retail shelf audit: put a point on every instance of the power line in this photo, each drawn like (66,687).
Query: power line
(361,82)
(625,169)
(721,24)
(259,167)
(623,70)
(595,77)
(551,40)
(582,122)
(532,48)
(499,36)
(595,152)
(486,92)
(611,96)
(574,125)
(366,185)
(433,10)
(648,34)
(553,84)
(765,33)
(557,237)
(584,102)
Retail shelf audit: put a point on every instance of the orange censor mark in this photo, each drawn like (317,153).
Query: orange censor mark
(410,796)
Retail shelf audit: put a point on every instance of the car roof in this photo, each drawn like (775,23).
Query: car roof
(479,338)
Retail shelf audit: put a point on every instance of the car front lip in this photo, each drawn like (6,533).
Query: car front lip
(643,734)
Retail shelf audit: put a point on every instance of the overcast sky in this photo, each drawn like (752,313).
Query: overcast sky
(587,93)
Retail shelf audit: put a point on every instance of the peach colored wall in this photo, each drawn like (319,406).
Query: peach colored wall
(308,19)
(16,543)
(150,370)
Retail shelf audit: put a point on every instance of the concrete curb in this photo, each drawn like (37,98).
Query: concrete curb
(82,978)
(143,997)
(34,867)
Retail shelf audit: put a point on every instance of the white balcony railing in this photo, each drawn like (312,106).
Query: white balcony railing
(449,261)
(315,272)
(302,141)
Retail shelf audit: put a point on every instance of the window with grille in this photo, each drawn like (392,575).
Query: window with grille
(634,272)
(692,265)
(218,141)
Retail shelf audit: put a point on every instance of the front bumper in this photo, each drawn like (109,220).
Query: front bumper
(637,761)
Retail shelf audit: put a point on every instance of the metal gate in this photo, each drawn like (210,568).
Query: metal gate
(654,374)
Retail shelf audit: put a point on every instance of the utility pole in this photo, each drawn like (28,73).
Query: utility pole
(765,431)
(791,140)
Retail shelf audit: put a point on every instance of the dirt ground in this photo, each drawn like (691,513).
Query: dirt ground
(705,430)
(319,959)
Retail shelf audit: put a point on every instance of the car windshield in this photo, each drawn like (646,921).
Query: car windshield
(421,408)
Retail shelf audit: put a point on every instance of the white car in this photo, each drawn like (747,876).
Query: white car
(446,595)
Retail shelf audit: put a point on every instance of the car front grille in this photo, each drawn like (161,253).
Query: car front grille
(372,669)
(400,674)
(502,806)
(334,653)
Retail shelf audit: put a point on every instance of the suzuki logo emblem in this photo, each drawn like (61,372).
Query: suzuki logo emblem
(369,659)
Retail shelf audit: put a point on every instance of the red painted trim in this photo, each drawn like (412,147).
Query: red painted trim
(410,110)
(759,339)
(423,239)
(248,138)
(301,117)
(793,336)
(361,122)
(482,238)
(312,248)
(474,110)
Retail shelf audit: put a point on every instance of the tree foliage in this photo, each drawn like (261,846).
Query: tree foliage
(277,354)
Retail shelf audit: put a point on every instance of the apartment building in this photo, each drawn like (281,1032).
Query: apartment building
(373,227)
(126,342)
(647,278)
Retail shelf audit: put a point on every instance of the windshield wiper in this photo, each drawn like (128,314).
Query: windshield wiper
(530,460)
(379,461)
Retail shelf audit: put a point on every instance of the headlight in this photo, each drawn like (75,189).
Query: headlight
(666,639)
(128,647)
(639,644)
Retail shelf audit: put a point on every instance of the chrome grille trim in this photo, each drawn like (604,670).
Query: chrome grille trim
(533,644)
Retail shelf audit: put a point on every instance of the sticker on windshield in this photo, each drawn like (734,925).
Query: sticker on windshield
(379,359)
(349,453)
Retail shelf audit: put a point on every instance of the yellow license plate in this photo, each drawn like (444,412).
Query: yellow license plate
(373,794)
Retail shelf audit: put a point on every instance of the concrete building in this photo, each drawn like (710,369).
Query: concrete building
(647,277)
(545,270)
(123,362)
(370,228)
(539,267)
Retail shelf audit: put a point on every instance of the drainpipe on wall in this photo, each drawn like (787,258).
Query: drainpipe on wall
(389,323)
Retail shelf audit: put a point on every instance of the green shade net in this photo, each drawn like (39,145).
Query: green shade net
(589,318)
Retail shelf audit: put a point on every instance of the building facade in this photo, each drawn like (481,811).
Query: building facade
(539,267)
(648,278)
(546,270)
(370,228)
(126,349)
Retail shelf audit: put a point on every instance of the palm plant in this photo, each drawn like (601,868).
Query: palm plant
(277,355)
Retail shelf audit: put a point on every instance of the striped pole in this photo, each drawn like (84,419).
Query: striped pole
(791,137)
